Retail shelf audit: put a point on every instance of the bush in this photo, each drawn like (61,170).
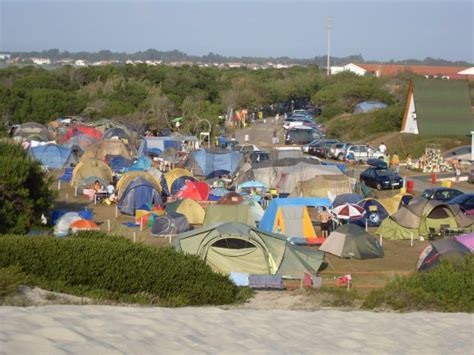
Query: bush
(448,288)
(117,269)
(10,279)
(24,190)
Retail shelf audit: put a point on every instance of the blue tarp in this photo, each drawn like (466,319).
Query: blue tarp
(340,166)
(368,106)
(268,218)
(53,156)
(161,143)
(205,163)
(137,193)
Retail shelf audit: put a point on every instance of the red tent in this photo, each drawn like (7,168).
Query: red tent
(195,190)
(71,132)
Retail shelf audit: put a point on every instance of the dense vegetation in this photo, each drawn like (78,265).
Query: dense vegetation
(113,268)
(153,95)
(448,288)
(24,190)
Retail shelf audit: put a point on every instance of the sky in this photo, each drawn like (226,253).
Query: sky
(378,30)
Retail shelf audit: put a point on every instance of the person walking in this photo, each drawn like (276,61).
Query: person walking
(395,163)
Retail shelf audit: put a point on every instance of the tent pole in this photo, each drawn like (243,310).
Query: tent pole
(381,240)
(411,240)
(134,237)
(108,225)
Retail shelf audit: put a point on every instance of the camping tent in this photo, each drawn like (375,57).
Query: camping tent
(323,186)
(118,163)
(83,225)
(53,156)
(419,216)
(193,211)
(204,162)
(170,224)
(375,213)
(289,216)
(107,147)
(80,142)
(231,198)
(117,132)
(243,213)
(393,204)
(141,164)
(90,131)
(157,145)
(91,168)
(174,180)
(438,250)
(236,247)
(467,240)
(196,190)
(128,177)
(351,241)
(61,229)
(32,130)
(138,192)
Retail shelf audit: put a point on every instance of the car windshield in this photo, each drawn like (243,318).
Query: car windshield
(460,199)
(383,172)
(426,193)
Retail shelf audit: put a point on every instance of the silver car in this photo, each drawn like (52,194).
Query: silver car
(363,152)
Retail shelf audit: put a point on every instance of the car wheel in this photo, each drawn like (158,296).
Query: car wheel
(361,162)
(379,187)
(340,157)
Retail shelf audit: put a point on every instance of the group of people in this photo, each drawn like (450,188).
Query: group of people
(109,190)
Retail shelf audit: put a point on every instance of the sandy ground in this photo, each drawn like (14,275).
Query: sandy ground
(130,330)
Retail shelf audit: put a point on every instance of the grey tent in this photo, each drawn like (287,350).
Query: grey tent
(351,241)
(438,250)
(170,224)
(237,247)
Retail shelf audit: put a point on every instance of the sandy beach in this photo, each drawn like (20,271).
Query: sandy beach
(132,330)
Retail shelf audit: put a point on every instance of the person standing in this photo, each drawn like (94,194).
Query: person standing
(386,158)
(325,219)
(382,148)
(456,164)
(395,163)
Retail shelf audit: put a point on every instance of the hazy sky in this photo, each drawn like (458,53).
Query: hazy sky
(379,30)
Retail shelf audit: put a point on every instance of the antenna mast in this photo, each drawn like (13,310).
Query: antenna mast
(329,27)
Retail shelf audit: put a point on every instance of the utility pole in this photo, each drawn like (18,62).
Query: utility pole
(329,27)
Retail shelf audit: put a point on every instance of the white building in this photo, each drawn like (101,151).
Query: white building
(41,61)
(4,56)
(80,63)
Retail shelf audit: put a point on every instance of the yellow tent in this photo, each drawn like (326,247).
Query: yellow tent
(91,168)
(193,211)
(107,147)
(294,221)
(174,174)
(131,175)
(323,186)
(392,204)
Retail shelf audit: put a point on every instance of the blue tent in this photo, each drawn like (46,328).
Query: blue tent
(53,156)
(138,192)
(118,163)
(141,164)
(268,218)
(203,162)
(177,184)
(375,213)
(346,198)
(155,144)
(368,106)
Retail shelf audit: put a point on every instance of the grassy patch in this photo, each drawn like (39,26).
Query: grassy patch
(339,297)
(113,268)
(448,288)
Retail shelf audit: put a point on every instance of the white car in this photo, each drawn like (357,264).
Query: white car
(363,152)
(290,123)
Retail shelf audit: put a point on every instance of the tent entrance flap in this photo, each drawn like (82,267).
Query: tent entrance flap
(249,260)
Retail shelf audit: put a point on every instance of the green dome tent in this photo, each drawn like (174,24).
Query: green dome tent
(352,241)
(421,215)
(237,247)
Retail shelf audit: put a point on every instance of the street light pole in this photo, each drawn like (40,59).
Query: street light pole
(329,27)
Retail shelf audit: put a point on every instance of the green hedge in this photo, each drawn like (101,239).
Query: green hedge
(98,263)
(448,288)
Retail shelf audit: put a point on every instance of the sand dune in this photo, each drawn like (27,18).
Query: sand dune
(126,330)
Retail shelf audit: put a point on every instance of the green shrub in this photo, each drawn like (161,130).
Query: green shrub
(24,190)
(10,279)
(117,269)
(448,288)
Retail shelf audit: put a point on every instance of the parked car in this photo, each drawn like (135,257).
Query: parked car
(338,151)
(363,152)
(257,156)
(247,148)
(465,202)
(441,193)
(291,122)
(307,145)
(320,149)
(301,135)
(381,177)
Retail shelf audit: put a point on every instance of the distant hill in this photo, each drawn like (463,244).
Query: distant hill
(178,56)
